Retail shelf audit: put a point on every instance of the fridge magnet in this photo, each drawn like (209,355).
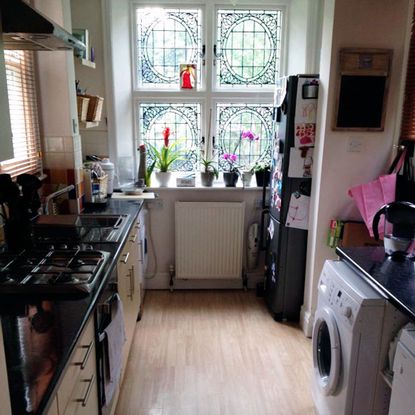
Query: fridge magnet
(305,134)
(306,108)
(301,162)
(188,76)
(297,216)
(271,229)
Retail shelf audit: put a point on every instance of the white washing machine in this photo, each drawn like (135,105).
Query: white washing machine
(352,329)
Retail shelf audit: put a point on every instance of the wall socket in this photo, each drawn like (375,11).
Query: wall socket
(355,145)
(154,204)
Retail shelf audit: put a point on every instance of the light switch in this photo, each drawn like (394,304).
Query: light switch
(355,145)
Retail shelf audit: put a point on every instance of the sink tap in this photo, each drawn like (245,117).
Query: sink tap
(53,195)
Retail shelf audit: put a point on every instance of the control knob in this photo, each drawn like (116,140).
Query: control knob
(347,311)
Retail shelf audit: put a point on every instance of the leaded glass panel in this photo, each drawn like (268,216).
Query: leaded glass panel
(166,38)
(184,123)
(232,120)
(248,47)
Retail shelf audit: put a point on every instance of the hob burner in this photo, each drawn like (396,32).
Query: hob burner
(51,271)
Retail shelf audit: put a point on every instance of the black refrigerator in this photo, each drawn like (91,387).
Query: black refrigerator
(295,108)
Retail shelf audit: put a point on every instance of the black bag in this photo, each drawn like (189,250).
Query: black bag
(405,184)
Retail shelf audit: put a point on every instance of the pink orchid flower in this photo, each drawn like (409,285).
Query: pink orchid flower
(249,135)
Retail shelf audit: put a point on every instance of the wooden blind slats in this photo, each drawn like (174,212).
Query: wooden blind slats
(21,88)
(408,116)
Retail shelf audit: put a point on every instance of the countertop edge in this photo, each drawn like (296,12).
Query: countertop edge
(374,283)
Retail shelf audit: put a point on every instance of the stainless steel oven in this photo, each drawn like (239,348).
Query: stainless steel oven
(103,316)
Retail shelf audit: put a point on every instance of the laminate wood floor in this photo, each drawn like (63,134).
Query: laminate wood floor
(215,353)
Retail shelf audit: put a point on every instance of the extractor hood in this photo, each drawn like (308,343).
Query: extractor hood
(25,28)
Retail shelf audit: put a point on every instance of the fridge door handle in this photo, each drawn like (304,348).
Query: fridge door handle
(262,245)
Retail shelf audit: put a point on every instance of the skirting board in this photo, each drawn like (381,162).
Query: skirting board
(306,322)
(161,282)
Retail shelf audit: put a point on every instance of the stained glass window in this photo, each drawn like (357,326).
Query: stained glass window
(248,47)
(232,120)
(166,38)
(184,123)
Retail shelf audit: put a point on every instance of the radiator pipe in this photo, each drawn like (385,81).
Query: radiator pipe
(172,274)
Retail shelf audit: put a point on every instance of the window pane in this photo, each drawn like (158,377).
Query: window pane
(21,88)
(249,43)
(232,120)
(166,39)
(184,123)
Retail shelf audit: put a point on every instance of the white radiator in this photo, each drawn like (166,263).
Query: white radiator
(209,240)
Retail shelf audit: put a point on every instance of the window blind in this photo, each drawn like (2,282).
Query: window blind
(408,115)
(21,87)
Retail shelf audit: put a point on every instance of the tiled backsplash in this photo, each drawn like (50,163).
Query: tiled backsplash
(63,165)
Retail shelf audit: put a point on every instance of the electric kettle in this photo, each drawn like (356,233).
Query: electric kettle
(399,228)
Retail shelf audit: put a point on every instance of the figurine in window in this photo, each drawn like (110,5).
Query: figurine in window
(188,76)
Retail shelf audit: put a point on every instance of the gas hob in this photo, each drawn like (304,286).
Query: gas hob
(51,271)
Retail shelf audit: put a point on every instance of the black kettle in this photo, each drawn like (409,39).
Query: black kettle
(399,227)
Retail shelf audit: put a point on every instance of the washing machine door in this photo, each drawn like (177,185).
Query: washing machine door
(326,351)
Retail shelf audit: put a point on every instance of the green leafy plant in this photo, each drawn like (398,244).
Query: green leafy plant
(149,171)
(262,166)
(209,167)
(168,154)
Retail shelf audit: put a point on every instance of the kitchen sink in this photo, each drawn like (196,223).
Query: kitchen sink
(84,228)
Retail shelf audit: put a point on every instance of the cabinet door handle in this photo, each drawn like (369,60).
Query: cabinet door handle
(125,259)
(86,357)
(84,400)
(131,276)
(133,238)
(141,259)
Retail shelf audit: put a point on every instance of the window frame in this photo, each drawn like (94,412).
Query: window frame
(209,94)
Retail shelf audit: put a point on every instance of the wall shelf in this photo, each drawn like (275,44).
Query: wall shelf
(88,124)
(88,63)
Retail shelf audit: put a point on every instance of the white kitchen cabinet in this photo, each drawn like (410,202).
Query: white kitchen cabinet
(78,393)
(129,286)
(53,407)
(6,141)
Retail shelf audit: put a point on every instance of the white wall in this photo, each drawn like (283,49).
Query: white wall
(88,15)
(162,231)
(350,23)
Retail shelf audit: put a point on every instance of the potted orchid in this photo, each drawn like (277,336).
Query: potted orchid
(164,157)
(209,172)
(230,177)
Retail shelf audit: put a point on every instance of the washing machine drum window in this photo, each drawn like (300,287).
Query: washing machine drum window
(326,351)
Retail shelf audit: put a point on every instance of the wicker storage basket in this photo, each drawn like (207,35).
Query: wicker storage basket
(83,104)
(94,107)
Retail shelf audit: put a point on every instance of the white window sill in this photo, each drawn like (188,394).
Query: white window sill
(217,184)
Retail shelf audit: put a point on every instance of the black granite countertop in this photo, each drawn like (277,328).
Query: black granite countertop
(395,279)
(36,357)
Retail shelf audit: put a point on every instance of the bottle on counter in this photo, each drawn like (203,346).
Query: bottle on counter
(108,168)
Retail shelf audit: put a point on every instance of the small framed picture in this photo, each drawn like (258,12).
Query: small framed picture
(83,36)
(188,76)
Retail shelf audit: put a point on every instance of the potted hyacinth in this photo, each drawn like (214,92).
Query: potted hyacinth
(262,173)
(164,158)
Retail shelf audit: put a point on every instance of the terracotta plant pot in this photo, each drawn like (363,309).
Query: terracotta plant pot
(207,178)
(262,177)
(230,179)
(163,178)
